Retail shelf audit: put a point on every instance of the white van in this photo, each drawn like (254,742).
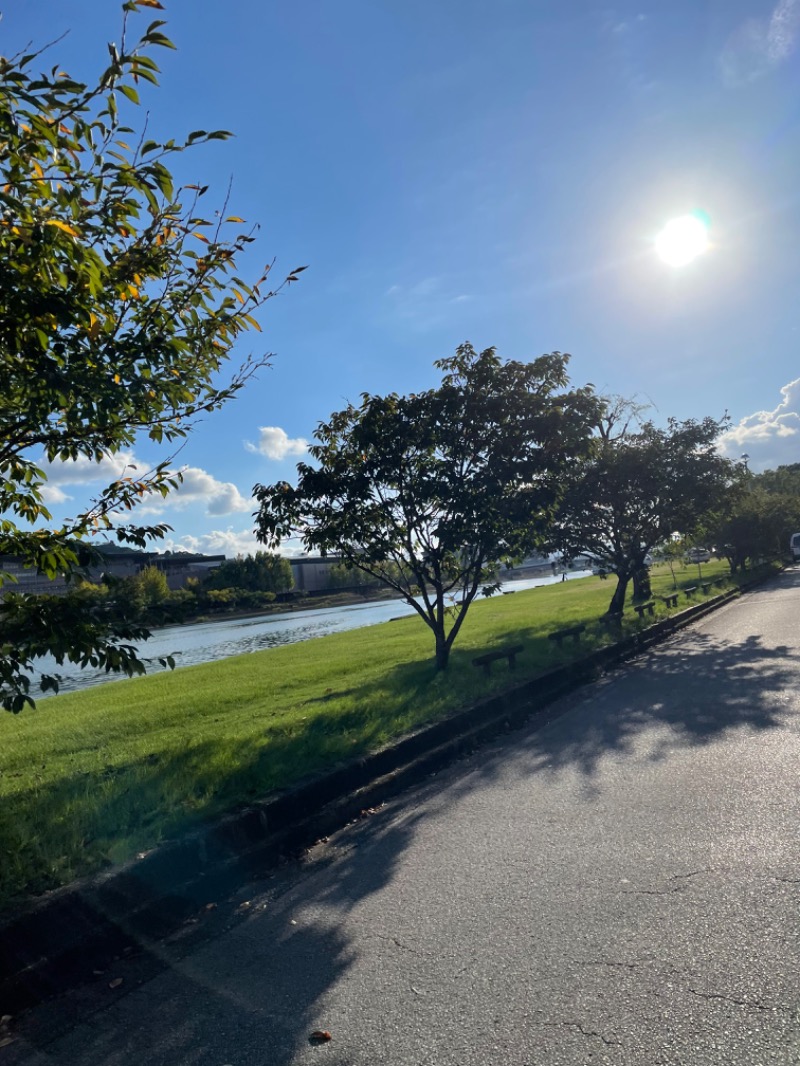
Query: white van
(794,546)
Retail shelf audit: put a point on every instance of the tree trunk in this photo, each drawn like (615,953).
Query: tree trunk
(442,651)
(618,599)
(641,584)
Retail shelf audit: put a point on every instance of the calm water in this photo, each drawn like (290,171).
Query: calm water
(205,642)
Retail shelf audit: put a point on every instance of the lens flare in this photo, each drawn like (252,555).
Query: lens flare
(683,239)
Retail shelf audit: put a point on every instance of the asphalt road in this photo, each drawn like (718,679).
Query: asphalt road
(619,886)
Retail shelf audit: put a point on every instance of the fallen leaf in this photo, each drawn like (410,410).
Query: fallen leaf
(292,921)
(116,982)
(210,906)
(322,1035)
(6,1040)
(98,973)
(4,1020)
(371,810)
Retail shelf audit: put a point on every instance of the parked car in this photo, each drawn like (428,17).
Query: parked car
(794,546)
(698,555)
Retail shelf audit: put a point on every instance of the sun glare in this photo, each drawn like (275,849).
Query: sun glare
(682,240)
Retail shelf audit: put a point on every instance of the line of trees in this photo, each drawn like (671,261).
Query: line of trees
(247,583)
(429,493)
(757,517)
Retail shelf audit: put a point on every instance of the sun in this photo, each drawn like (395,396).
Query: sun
(682,240)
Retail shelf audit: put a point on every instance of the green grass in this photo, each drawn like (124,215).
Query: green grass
(92,778)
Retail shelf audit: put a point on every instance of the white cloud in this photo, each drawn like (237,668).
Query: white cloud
(83,471)
(769,438)
(275,443)
(53,494)
(200,487)
(757,46)
(230,542)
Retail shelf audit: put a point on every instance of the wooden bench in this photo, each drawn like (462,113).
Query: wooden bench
(690,591)
(490,657)
(671,600)
(570,631)
(705,587)
(644,608)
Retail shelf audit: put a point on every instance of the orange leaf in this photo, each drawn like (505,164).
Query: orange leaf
(321,1035)
(62,226)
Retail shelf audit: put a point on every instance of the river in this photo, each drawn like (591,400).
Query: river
(204,642)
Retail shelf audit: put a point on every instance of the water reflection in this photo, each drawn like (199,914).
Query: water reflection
(205,642)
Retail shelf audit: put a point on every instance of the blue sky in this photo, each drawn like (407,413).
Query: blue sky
(492,171)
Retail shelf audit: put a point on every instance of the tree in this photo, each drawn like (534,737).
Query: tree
(672,552)
(426,492)
(119,305)
(640,484)
(151,585)
(262,572)
(752,523)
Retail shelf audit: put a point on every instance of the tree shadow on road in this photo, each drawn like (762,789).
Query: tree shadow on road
(695,690)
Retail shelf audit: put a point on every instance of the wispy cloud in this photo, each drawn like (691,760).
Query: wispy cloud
(275,443)
(628,40)
(426,303)
(758,46)
(769,438)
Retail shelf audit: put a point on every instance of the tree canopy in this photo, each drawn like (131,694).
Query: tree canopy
(639,484)
(426,492)
(120,302)
(262,572)
(755,521)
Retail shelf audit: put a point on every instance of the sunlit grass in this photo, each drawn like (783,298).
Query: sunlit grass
(91,778)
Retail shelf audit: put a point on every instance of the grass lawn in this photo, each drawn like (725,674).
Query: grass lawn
(91,778)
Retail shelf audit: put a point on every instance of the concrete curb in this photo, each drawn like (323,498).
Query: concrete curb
(57,943)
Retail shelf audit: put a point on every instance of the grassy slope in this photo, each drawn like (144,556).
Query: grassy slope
(91,778)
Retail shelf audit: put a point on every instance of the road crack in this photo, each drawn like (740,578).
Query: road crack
(752,1004)
(405,947)
(675,883)
(579,1027)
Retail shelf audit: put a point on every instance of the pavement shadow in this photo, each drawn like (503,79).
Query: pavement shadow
(249,994)
(693,691)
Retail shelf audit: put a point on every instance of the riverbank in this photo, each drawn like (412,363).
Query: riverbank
(93,778)
(222,637)
(302,603)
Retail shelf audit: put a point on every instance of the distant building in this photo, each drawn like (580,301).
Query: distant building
(118,561)
(312,573)
(530,566)
(178,567)
(21,580)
